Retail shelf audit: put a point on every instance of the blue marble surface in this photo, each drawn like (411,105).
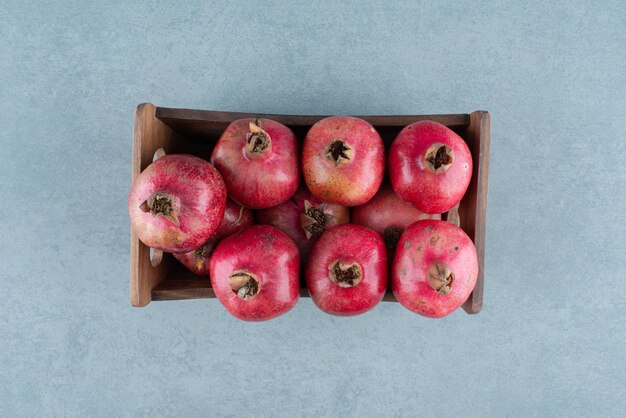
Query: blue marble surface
(551,338)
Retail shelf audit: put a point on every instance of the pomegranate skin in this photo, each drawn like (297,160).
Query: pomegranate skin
(290,218)
(349,244)
(416,180)
(268,255)
(236,219)
(388,215)
(198,198)
(262,178)
(427,246)
(343,160)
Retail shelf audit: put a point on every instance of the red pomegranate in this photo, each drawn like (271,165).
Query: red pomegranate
(236,219)
(176,203)
(430,166)
(434,269)
(258,159)
(304,218)
(347,271)
(388,215)
(255,273)
(343,160)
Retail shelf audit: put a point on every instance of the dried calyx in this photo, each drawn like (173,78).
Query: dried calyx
(161,204)
(440,278)
(257,140)
(345,274)
(439,157)
(392,236)
(339,152)
(313,220)
(244,284)
(201,254)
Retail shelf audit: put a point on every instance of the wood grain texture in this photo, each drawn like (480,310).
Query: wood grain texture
(473,208)
(196,131)
(180,283)
(150,134)
(208,124)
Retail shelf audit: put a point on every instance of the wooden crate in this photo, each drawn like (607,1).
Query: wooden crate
(196,131)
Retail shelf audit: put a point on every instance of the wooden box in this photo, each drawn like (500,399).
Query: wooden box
(196,131)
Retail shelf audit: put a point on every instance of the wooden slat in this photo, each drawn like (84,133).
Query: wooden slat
(192,287)
(180,283)
(208,124)
(183,287)
(473,209)
(389,297)
(189,286)
(150,134)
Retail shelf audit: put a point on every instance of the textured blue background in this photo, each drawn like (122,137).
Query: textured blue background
(551,338)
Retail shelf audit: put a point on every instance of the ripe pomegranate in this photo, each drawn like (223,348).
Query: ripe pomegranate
(430,166)
(388,215)
(255,273)
(435,268)
(304,218)
(259,161)
(176,203)
(236,219)
(343,160)
(347,271)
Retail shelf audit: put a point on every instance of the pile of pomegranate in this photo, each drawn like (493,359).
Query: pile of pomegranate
(264,209)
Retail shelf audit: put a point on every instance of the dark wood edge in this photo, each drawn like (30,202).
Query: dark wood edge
(183,288)
(195,288)
(136,297)
(193,115)
(146,126)
(183,284)
(480,128)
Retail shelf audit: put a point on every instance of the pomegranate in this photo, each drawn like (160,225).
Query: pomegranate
(388,215)
(236,219)
(304,218)
(347,271)
(259,161)
(343,160)
(176,203)
(435,268)
(255,273)
(430,166)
